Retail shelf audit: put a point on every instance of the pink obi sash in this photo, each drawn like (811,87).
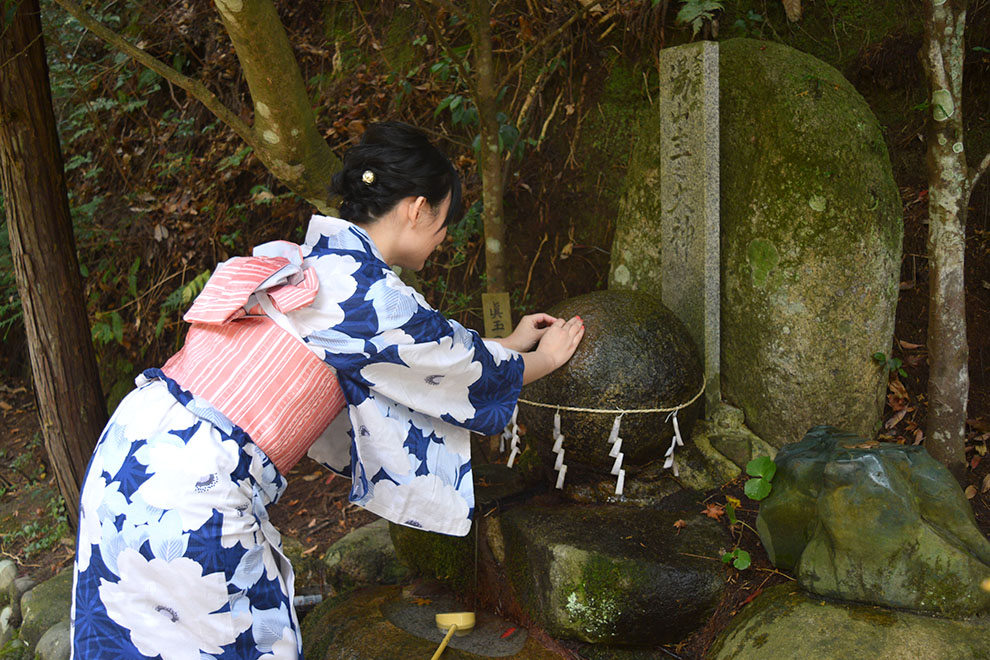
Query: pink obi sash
(261,376)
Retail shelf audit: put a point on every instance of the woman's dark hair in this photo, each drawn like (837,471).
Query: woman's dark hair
(391,162)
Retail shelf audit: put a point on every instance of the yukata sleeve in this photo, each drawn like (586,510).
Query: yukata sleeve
(441,369)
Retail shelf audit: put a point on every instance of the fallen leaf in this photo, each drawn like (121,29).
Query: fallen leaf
(680,524)
(714,511)
(5,406)
(908,345)
(986,483)
(970,492)
(981,449)
(313,477)
(896,418)
(421,601)
(734,501)
(508,632)
(309,551)
(752,596)
(981,425)
(973,462)
(919,435)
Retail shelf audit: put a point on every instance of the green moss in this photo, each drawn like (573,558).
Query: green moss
(763,258)
(595,602)
(449,559)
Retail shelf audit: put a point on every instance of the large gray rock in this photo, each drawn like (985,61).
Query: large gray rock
(45,605)
(607,574)
(875,522)
(8,573)
(811,241)
(811,244)
(365,556)
(784,623)
(636,355)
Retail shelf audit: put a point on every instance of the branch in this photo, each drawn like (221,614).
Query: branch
(453,9)
(193,87)
(438,35)
(978,172)
(543,42)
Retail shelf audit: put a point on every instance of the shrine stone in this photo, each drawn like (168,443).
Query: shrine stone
(636,355)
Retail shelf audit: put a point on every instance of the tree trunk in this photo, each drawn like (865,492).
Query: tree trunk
(293,149)
(490,158)
(66,381)
(948,195)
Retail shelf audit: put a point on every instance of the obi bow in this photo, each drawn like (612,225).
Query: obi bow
(240,285)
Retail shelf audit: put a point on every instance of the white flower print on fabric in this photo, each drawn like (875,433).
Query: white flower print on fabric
(434,378)
(325,312)
(425,497)
(170,608)
(379,439)
(394,306)
(98,500)
(198,469)
(283,649)
(333,448)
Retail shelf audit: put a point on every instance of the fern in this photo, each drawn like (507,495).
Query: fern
(696,12)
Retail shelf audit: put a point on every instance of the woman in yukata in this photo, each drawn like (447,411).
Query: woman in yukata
(176,556)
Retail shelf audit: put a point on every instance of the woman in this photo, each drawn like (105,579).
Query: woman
(176,556)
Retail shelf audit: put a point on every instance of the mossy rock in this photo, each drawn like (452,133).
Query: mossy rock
(635,355)
(811,244)
(878,523)
(785,623)
(45,605)
(614,575)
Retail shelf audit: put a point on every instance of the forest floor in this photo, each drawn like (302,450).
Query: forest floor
(314,509)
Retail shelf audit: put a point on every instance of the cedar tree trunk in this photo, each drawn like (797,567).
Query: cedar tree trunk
(63,364)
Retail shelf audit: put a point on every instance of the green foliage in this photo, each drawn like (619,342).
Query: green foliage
(762,470)
(751,25)
(44,531)
(890,364)
(740,558)
(180,298)
(696,12)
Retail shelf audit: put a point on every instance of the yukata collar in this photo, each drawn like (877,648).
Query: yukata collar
(341,234)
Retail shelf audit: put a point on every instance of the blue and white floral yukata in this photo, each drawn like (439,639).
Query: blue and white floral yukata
(176,556)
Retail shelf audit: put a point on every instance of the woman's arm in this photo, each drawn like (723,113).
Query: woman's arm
(557,343)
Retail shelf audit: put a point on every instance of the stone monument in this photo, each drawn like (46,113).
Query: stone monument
(689,198)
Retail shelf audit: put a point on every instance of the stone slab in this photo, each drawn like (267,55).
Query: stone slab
(689,196)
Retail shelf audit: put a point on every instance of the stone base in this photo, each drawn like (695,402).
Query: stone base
(385,623)
(785,623)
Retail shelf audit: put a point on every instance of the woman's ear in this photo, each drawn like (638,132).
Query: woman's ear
(417,209)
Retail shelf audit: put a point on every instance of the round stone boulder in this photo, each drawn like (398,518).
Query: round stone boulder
(811,244)
(635,355)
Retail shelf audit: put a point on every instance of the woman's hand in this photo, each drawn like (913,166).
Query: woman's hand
(528,332)
(557,344)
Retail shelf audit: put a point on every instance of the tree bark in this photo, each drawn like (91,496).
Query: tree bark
(492,183)
(294,150)
(63,363)
(948,196)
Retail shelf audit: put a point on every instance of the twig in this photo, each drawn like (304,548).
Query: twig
(529,277)
(978,172)
(442,42)
(543,42)
(546,123)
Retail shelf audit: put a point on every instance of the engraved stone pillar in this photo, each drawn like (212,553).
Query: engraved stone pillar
(689,197)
